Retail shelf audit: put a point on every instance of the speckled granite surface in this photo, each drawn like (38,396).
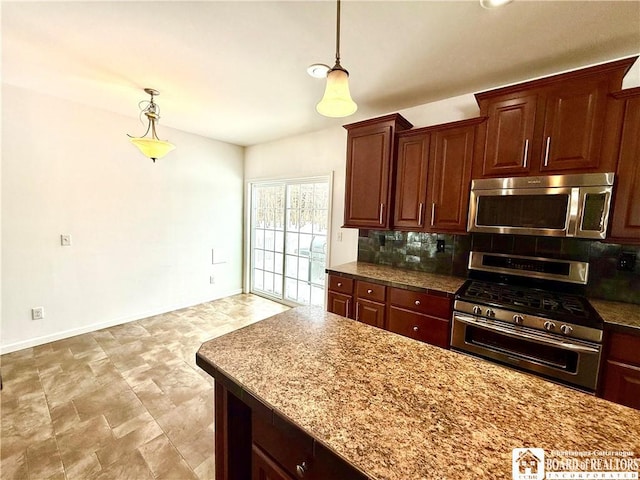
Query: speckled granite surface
(400,409)
(396,277)
(626,315)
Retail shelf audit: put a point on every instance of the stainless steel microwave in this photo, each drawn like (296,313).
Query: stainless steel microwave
(554,205)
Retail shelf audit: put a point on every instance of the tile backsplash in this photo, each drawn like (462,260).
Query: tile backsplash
(419,251)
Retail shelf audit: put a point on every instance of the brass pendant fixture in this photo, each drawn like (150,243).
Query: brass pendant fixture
(151,147)
(337,101)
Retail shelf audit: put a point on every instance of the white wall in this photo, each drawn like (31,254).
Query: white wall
(142,232)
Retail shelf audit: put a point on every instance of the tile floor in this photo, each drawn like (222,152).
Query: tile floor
(126,402)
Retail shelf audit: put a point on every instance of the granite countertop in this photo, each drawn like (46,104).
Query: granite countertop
(399,409)
(397,277)
(624,316)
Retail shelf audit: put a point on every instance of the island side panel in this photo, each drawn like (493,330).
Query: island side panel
(232,435)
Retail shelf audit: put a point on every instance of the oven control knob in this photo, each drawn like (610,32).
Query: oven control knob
(490,313)
(566,329)
(477,310)
(518,319)
(549,326)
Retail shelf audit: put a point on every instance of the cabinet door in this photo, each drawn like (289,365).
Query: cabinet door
(509,136)
(411,182)
(368,175)
(371,313)
(622,384)
(419,326)
(574,125)
(340,304)
(625,224)
(450,178)
(263,468)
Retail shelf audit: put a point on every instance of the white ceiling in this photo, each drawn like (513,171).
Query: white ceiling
(236,71)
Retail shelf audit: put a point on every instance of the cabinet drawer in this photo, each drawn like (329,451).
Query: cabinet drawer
(427,303)
(625,348)
(371,291)
(287,445)
(419,326)
(341,284)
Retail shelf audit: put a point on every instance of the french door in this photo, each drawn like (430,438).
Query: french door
(289,227)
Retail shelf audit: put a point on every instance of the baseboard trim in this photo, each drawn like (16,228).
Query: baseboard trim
(34,342)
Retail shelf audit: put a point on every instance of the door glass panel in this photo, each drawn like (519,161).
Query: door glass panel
(289,227)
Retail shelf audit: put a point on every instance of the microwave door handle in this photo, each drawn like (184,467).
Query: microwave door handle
(575,210)
(509,332)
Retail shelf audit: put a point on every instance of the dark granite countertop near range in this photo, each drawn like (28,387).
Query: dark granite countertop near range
(398,409)
(397,277)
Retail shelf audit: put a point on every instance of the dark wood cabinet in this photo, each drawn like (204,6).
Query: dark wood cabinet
(621,376)
(369,173)
(625,223)
(433,177)
(263,468)
(566,123)
(421,316)
(340,296)
(411,181)
(450,176)
(370,303)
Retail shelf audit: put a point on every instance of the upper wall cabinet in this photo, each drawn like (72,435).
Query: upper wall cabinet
(370,161)
(625,224)
(433,177)
(567,123)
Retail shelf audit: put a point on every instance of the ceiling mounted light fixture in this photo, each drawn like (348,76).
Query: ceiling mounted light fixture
(489,4)
(337,101)
(151,147)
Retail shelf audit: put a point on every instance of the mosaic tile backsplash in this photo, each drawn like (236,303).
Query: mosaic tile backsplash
(449,254)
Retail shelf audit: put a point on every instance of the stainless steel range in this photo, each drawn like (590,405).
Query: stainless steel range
(530,313)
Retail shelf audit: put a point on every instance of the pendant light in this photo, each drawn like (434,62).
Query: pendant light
(152,146)
(337,101)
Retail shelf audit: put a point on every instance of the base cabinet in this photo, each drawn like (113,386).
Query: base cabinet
(621,375)
(253,442)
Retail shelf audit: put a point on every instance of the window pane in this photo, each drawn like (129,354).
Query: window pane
(277,284)
(292,243)
(303,268)
(259,238)
(279,242)
(258,259)
(269,240)
(291,289)
(304,292)
(291,266)
(277,262)
(317,295)
(258,279)
(268,282)
(268,261)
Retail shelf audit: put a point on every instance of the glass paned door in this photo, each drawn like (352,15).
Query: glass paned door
(289,240)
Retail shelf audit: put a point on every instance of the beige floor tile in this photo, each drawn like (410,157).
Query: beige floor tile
(126,402)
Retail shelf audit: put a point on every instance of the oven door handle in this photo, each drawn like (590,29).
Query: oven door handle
(525,335)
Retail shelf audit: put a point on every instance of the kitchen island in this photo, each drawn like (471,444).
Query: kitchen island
(389,407)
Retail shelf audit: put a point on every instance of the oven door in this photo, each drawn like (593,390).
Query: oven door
(569,361)
(524,211)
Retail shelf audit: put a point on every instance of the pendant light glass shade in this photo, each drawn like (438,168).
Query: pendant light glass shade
(337,101)
(152,147)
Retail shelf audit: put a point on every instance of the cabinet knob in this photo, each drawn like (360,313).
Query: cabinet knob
(415,329)
(417,302)
(301,469)
(369,291)
(339,284)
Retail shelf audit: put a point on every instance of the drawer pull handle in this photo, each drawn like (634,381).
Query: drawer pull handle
(417,302)
(369,291)
(339,284)
(301,469)
(415,329)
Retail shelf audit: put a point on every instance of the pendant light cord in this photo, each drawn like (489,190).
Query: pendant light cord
(338,35)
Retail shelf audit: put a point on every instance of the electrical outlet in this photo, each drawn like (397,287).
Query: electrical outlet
(37,313)
(212,280)
(65,240)
(339,236)
(627,262)
(440,246)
